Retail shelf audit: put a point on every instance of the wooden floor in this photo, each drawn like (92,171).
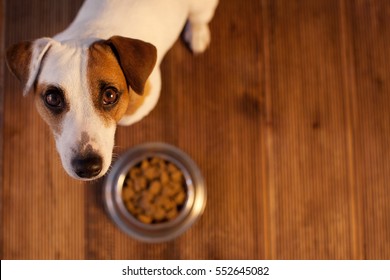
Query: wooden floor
(287,115)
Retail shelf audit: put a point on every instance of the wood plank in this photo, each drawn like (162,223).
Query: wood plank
(357,224)
(2,31)
(309,191)
(227,125)
(369,25)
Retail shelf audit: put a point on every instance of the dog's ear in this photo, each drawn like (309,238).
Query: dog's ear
(136,58)
(24,60)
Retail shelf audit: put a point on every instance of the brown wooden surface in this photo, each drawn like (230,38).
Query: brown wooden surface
(287,115)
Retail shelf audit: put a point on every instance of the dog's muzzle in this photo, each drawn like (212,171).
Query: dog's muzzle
(87,166)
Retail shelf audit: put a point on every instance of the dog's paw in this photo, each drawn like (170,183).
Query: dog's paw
(197,36)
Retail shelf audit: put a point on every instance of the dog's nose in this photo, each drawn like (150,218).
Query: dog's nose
(87,166)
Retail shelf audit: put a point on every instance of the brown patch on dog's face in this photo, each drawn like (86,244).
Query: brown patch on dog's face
(107,83)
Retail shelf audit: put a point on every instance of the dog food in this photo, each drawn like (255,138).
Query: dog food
(154,191)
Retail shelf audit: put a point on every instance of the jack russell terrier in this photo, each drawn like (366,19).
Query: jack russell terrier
(103,70)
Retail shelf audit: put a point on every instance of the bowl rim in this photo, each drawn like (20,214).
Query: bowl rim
(194,205)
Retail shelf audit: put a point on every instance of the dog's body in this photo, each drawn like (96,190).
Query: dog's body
(103,70)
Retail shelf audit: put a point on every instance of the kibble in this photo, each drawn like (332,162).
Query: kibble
(154,191)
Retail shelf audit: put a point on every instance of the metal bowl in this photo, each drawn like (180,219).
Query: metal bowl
(159,232)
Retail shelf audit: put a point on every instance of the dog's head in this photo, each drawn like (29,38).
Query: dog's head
(82,92)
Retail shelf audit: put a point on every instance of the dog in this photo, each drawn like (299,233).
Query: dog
(104,70)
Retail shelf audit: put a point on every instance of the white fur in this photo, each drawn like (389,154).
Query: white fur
(155,21)
(82,116)
(39,49)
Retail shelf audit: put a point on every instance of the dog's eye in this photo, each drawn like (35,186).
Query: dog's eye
(110,96)
(54,99)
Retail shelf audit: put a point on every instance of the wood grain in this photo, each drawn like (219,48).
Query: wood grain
(2,66)
(371,122)
(287,115)
(310,196)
